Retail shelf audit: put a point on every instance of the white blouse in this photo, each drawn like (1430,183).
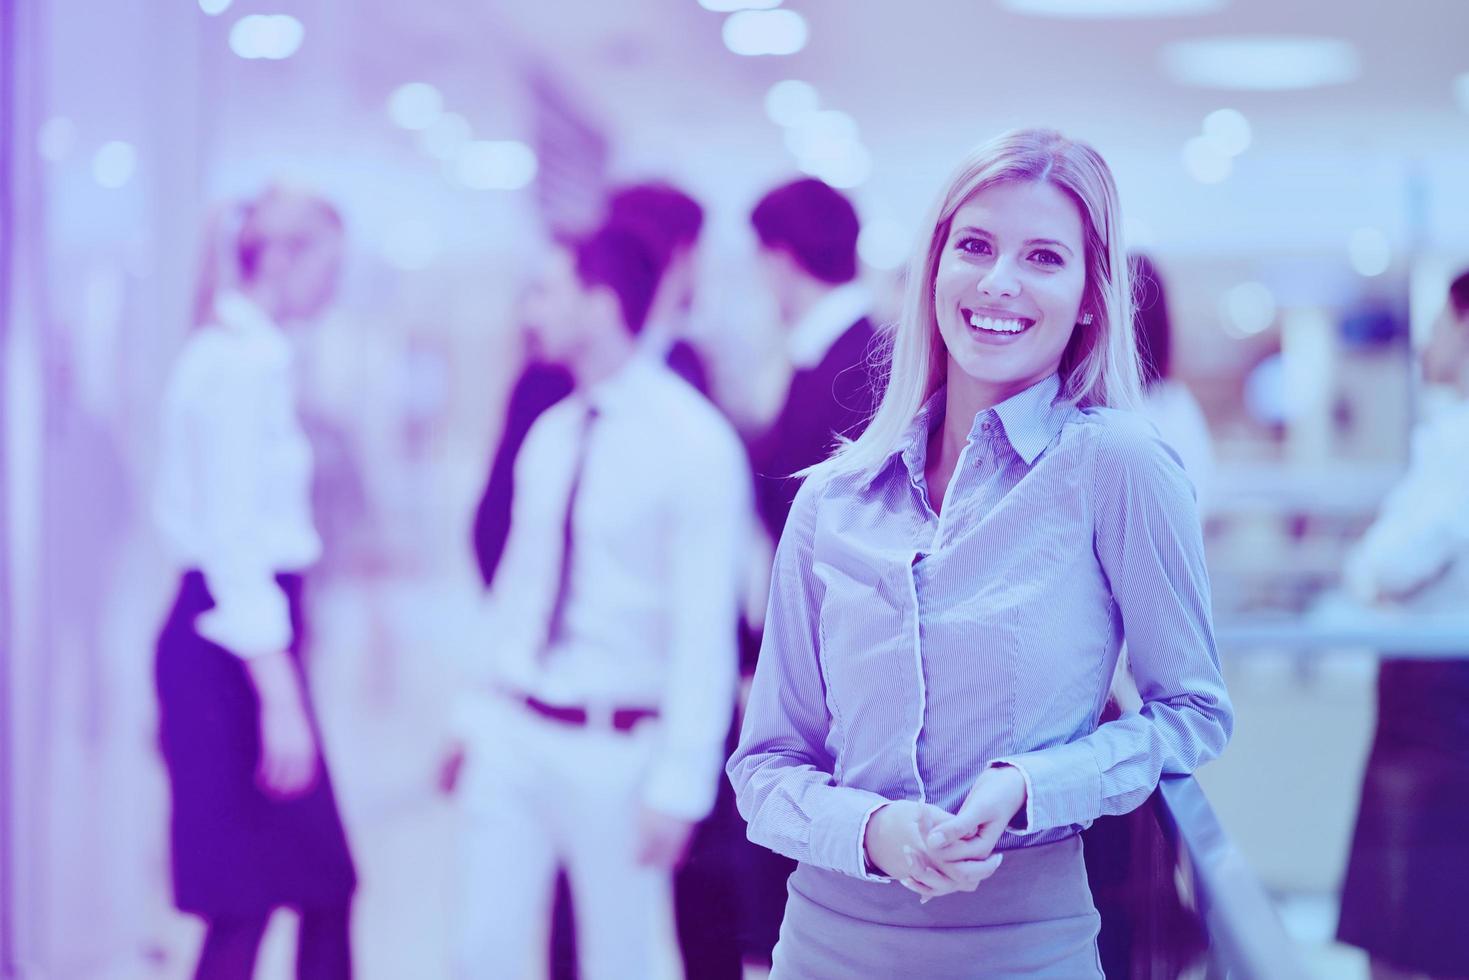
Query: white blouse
(1416,549)
(234,497)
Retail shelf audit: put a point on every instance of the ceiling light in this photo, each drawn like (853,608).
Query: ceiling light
(1228,130)
(1101,9)
(791,102)
(1370,252)
(757,32)
(496,165)
(445,136)
(1204,162)
(415,105)
(114,163)
(269,36)
(214,7)
(1261,63)
(1248,309)
(730,6)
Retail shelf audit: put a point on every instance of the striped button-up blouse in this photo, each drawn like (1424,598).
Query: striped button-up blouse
(904,652)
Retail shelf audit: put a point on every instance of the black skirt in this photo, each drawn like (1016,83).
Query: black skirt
(235,850)
(1405,889)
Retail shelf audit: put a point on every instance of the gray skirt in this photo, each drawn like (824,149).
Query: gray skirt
(1034,918)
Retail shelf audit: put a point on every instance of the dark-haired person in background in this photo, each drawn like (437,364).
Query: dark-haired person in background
(1403,897)
(808,258)
(597,738)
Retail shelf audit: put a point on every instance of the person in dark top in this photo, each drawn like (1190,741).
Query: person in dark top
(808,258)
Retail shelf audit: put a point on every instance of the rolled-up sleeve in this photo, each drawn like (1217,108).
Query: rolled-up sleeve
(782,770)
(251,616)
(1148,541)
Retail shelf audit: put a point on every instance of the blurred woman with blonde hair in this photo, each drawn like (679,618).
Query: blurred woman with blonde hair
(950,594)
(254,822)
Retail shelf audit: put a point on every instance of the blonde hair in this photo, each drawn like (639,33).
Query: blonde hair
(1099,365)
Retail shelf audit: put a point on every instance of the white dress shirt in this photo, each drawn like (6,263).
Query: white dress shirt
(234,495)
(659,532)
(1416,546)
(825,322)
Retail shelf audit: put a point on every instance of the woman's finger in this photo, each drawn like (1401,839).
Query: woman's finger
(973,873)
(963,849)
(921,869)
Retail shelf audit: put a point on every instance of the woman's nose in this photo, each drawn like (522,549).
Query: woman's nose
(999,281)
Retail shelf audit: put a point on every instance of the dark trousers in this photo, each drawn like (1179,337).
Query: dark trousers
(323,950)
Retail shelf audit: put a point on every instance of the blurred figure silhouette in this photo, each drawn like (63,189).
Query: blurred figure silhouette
(1167,402)
(808,259)
(1147,932)
(1403,897)
(598,740)
(254,820)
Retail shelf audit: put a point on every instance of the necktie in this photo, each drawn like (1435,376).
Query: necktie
(556,621)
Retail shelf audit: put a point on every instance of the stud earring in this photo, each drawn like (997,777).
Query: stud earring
(1086,319)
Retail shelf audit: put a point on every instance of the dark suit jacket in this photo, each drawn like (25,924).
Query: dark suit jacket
(540,386)
(834,397)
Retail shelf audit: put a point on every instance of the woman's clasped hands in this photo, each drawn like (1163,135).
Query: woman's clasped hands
(932,852)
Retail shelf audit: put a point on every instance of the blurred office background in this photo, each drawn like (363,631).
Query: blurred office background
(1298,171)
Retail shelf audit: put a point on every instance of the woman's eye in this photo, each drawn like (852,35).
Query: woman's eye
(1046,257)
(974,246)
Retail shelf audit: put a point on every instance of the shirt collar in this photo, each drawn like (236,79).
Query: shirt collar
(1029,421)
(628,384)
(237,311)
(826,320)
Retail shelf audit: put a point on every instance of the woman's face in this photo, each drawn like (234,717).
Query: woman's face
(313,268)
(1008,289)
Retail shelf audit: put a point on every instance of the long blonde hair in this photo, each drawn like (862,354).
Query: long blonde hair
(1099,365)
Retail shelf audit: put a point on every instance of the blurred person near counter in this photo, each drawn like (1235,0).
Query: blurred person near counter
(1167,402)
(596,738)
(1147,929)
(1404,896)
(254,822)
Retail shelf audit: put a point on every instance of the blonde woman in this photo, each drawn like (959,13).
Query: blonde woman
(254,822)
(949,598)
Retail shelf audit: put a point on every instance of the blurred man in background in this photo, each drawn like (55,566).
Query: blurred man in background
(599,739)
(808,258)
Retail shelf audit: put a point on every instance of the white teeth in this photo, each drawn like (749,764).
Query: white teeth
(994,325)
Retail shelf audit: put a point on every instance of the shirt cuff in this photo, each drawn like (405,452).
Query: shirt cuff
(837,834)
(248,621)
(1022,823)
(862,861)
(1063,786)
